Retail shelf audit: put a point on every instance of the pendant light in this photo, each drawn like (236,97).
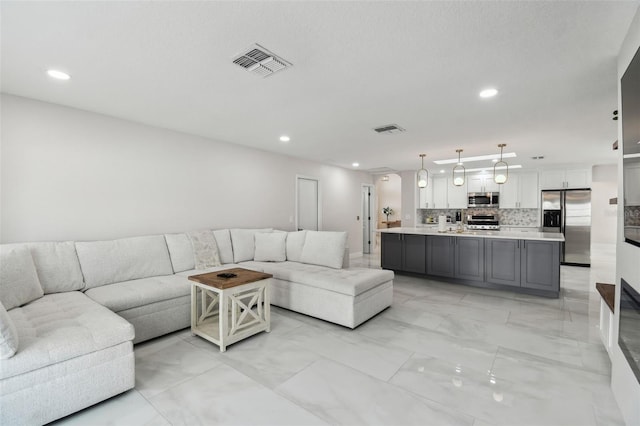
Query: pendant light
(459,168)
(501,176)
(423,174)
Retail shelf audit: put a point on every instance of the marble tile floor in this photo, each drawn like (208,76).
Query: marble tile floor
(443,354)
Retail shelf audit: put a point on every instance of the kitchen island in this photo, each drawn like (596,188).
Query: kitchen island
(527,262)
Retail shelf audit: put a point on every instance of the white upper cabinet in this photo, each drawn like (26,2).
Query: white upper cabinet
(565,178)
(482,183)
(425,195)
(440,193)
(448,196)
(457,196)
(520,191)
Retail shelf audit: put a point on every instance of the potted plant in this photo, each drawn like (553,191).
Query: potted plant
(387,211)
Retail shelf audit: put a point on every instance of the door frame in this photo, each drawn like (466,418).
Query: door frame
(372,214)
(307,177)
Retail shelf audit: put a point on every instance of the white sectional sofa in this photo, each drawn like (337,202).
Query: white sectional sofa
(71,311)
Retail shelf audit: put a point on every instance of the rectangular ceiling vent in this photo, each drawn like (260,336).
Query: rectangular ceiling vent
(260,61)
(381,171)
(389,129)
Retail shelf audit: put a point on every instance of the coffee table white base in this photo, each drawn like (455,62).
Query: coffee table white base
(225,316)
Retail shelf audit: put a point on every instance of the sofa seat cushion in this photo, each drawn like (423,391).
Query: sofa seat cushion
(59,327)
(144,291)
(352,281)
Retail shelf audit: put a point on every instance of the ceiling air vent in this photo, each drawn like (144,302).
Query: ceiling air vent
(389,129)
(260,61)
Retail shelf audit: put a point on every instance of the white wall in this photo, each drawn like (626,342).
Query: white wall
(389,193)
(604,216)
(409,197)
(623,382)
(68,174)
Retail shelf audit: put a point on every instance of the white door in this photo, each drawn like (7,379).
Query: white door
(367,211)
(307,211)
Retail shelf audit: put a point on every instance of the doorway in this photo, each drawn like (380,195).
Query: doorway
(308,204)
(368,209)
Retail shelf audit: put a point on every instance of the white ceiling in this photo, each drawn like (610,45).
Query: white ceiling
(356,66)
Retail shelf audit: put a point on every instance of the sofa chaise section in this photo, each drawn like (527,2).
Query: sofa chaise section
(343,296)
(72,353)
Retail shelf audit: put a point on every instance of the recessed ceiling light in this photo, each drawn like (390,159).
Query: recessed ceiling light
(58,75)
(441,171)
(284,138)
(355,164)
(495,160)
(488,93)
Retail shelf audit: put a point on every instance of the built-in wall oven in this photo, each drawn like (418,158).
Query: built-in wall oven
(484,199)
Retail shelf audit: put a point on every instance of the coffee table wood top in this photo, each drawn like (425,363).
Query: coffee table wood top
(244,276)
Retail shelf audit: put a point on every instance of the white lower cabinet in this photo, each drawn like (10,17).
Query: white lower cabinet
(606,325)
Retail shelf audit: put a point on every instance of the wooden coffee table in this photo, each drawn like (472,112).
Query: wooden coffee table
(230,309)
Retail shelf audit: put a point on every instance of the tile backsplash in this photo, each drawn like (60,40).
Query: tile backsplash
(507,217)
(631,215)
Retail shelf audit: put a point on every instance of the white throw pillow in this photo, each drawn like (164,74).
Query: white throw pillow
(180,251)
(324,248)
(8,335)
(295,242)
(243,242)
(205,249)
(223,239)
(19,282)
(270,247)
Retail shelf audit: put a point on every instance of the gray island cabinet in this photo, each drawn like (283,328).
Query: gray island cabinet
(502,260)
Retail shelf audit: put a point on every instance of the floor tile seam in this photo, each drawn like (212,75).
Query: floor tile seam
(153,406)
(545,335)
(547,361)
(341,363)
(164,345)
(327,420)
(182,381)
(278,389)
(448,408)
(551,334)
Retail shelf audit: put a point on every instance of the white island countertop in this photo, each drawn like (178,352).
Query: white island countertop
(515,235)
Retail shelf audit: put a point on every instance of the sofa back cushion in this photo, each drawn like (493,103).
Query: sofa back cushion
(295,242)
(243,242)
(225,248)
(270,247)
(8,335)
(108,262)
(57,265)
(205,249)
(19,283)
(181,252)
(324,248)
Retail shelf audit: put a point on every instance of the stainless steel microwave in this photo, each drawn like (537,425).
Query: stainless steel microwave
(484,199)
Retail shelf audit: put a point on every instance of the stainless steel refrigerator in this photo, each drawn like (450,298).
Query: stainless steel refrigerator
(569,211)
